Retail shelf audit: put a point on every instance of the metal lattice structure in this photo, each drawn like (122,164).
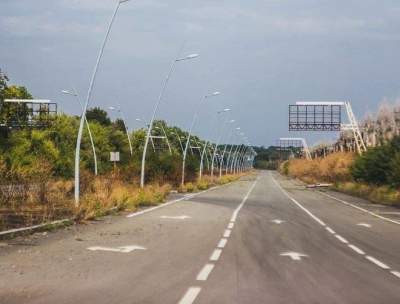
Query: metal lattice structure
(315,117)
(293,143)
(324,116)
(31,113)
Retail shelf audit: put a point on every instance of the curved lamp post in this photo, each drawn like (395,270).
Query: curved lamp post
(191,130)
(142,174)
(221,163)
(75,94)
(228,160)
(89,94)
(125,126)
(217,143)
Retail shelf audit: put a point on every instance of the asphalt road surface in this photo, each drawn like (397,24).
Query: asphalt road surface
(263,239)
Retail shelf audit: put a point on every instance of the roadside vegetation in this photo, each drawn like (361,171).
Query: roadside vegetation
(375,175)
(37,166)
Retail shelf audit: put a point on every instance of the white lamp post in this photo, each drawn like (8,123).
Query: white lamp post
(142,175)
(89,94)
(191,130)
(125,126)
(224,151)
(75,94)
(217,143)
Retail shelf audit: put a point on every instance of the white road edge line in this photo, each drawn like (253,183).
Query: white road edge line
(359,208)
(230,225)
(190,295)
(356,249)
(222,243)
(186,197)
(377,262)
(215,255)
(205,272)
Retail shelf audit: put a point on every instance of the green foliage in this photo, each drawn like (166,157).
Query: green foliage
(98,115)
(379,165)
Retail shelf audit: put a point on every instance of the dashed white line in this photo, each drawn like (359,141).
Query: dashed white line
(356,249)
(227,233)
(190,295)
(330,230)
(222,243)
(205,272)
(396,273)
(377,262)
(215,255)
(342,239)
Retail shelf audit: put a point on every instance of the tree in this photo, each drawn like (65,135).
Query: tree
(99,115)
(119,125)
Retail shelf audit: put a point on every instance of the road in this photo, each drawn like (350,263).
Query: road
(264,239)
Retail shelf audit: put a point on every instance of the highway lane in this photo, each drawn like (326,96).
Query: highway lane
(259,240)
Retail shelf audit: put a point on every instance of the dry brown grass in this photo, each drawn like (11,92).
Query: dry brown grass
(333,168)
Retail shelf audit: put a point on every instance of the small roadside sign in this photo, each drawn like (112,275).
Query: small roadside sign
(114,156)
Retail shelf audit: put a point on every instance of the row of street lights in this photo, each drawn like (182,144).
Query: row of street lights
(240,159)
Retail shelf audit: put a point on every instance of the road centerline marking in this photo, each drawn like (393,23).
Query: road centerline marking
(215,255)
(205,272)
(395,273)
(222,243)
(190,295)
(356,249)
(342,239)
(330,230)
(230,225)
(227,233)
(377,262)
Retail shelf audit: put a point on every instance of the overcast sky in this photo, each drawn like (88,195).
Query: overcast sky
(261,54)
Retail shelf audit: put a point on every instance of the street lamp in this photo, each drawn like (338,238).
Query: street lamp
(166,137)
(75,94)
(125,126)
(89,94)
(216,93)
(218,140)
(147,125)
(188,57)
(224,151)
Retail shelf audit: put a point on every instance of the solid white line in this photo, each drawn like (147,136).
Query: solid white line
(396,273)
(235,213)
(186,197)
(330,230)
(205,272)
(215,255)
(342,239)
(377,262)
(227,233)
(222,243)
(230,225)
(190,295)
(356,249)
(361,209)
(298,204)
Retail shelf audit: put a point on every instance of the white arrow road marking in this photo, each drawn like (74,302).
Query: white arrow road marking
(123,249)
(277,221)
(295,256)
(179,217)
(364,225)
